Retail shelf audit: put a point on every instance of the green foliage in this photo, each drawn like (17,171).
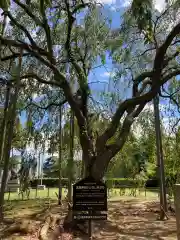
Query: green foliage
(151,169)
(53,172)
(142,11)
(103,59)
(139,181)
(4,4)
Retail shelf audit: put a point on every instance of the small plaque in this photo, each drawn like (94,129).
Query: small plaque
(90,216)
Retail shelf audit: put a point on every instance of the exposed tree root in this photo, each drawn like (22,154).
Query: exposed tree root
(50,223)
(71,225)
(44,230)
(51,227)
(24,227)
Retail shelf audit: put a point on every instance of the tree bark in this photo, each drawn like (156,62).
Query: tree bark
(160,160)
(82,168)
(60,156)
(9,137)
(4,126)
(71,156)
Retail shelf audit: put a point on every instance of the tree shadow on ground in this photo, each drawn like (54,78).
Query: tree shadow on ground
(132,219)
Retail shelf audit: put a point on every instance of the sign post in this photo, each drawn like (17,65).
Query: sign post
(89,201)
(90,229)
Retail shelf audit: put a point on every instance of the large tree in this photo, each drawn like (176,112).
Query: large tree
(44,26)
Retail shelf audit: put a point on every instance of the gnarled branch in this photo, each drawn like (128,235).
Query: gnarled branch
(157,80)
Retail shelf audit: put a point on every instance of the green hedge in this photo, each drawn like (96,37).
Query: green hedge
(111,182)
(121,182)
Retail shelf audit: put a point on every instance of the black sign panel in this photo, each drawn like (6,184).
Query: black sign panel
(89,195)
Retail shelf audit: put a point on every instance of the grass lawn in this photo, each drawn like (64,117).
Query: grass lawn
(47,193)
(51,193)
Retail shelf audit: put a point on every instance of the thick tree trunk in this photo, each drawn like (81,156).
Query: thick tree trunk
(99,166)
(9,137)
(82,169)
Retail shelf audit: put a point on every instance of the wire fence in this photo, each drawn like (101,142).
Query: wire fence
(52,193)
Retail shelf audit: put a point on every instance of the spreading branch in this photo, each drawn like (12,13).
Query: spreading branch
(161,52)
(28,12)
(52,104)
(23,45)
(111,130)
(47,31)
(22,28)
(41,80)
(130,104)
(126,128)
(14,56)
(171,97)
(156,78)
(59,78)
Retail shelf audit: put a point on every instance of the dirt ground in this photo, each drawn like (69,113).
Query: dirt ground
(127,220)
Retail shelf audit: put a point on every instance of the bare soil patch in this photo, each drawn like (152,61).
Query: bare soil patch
(127,219)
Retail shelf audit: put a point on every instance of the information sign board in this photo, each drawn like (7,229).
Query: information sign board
(89,195)
(89,198)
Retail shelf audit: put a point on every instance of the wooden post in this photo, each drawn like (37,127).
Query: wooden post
(177,207)
(60,158)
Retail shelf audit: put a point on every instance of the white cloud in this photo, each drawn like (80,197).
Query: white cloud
(125,3)
(34,96)
(159,4)
(107,74)
(122,3)
(107,1)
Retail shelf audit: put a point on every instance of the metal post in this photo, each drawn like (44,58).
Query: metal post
(60,156)
(160,161)
(90,227)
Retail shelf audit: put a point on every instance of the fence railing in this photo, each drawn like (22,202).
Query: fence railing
(52,193)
